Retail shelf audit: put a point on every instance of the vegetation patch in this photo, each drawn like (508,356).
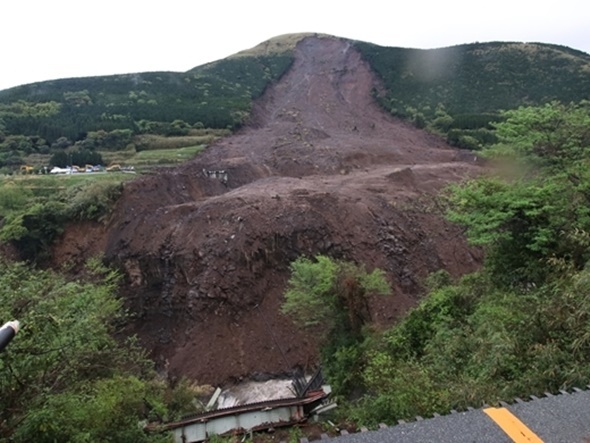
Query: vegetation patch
(64,376)
(282,44)
(166,156)
(105,113)
(35,209)
(519,327)
(458,91)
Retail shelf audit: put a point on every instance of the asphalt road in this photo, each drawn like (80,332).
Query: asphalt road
(563,418)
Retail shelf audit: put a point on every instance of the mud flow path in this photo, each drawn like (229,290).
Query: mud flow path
(319,169)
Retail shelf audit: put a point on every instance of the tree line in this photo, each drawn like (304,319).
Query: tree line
(34,118)
(65,377)
(461,90)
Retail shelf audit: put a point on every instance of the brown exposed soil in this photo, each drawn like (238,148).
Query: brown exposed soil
(320,168)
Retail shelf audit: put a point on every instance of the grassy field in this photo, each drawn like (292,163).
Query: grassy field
(143,159)
(45,185)
(277,45)
(169,155)
(66,180)
(153,157)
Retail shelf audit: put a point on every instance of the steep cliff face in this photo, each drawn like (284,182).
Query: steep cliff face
(319,169)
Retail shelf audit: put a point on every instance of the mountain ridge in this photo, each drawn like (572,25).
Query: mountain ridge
(455,91)
(286,42)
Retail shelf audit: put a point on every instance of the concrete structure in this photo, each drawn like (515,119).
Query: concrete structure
(245,418)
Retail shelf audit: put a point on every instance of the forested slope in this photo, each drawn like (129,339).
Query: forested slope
(217,95)
(458,91)
(50,116)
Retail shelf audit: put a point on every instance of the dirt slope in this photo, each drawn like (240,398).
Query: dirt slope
(319,169)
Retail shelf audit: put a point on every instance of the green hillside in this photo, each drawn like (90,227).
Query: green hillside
(459,90)
(107,112)
(217,95)
(480,77)
(454,91)
(517,327)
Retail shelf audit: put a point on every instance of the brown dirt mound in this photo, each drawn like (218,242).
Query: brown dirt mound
(320,169)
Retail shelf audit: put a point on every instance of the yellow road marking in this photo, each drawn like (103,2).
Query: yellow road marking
(512,426)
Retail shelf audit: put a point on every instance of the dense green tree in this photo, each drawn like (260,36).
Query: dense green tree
(32,221)
(61,159)
(64,377)
(218,95)
(61,143)
(83,157)
(114,140)
(475,81)
(325,292)
(541,211)
(331,297)
(13,197)
(551,135)
(471,343)
(34,227)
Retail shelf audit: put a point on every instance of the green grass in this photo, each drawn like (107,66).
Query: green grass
(123,158)
(47,184)
(179,155)
(150,142)
(152,157)
(19,191)
(281,44)
(149,150)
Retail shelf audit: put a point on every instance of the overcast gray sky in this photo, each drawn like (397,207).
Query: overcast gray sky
(48,39)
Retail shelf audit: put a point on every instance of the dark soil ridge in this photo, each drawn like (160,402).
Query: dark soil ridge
(319,169)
